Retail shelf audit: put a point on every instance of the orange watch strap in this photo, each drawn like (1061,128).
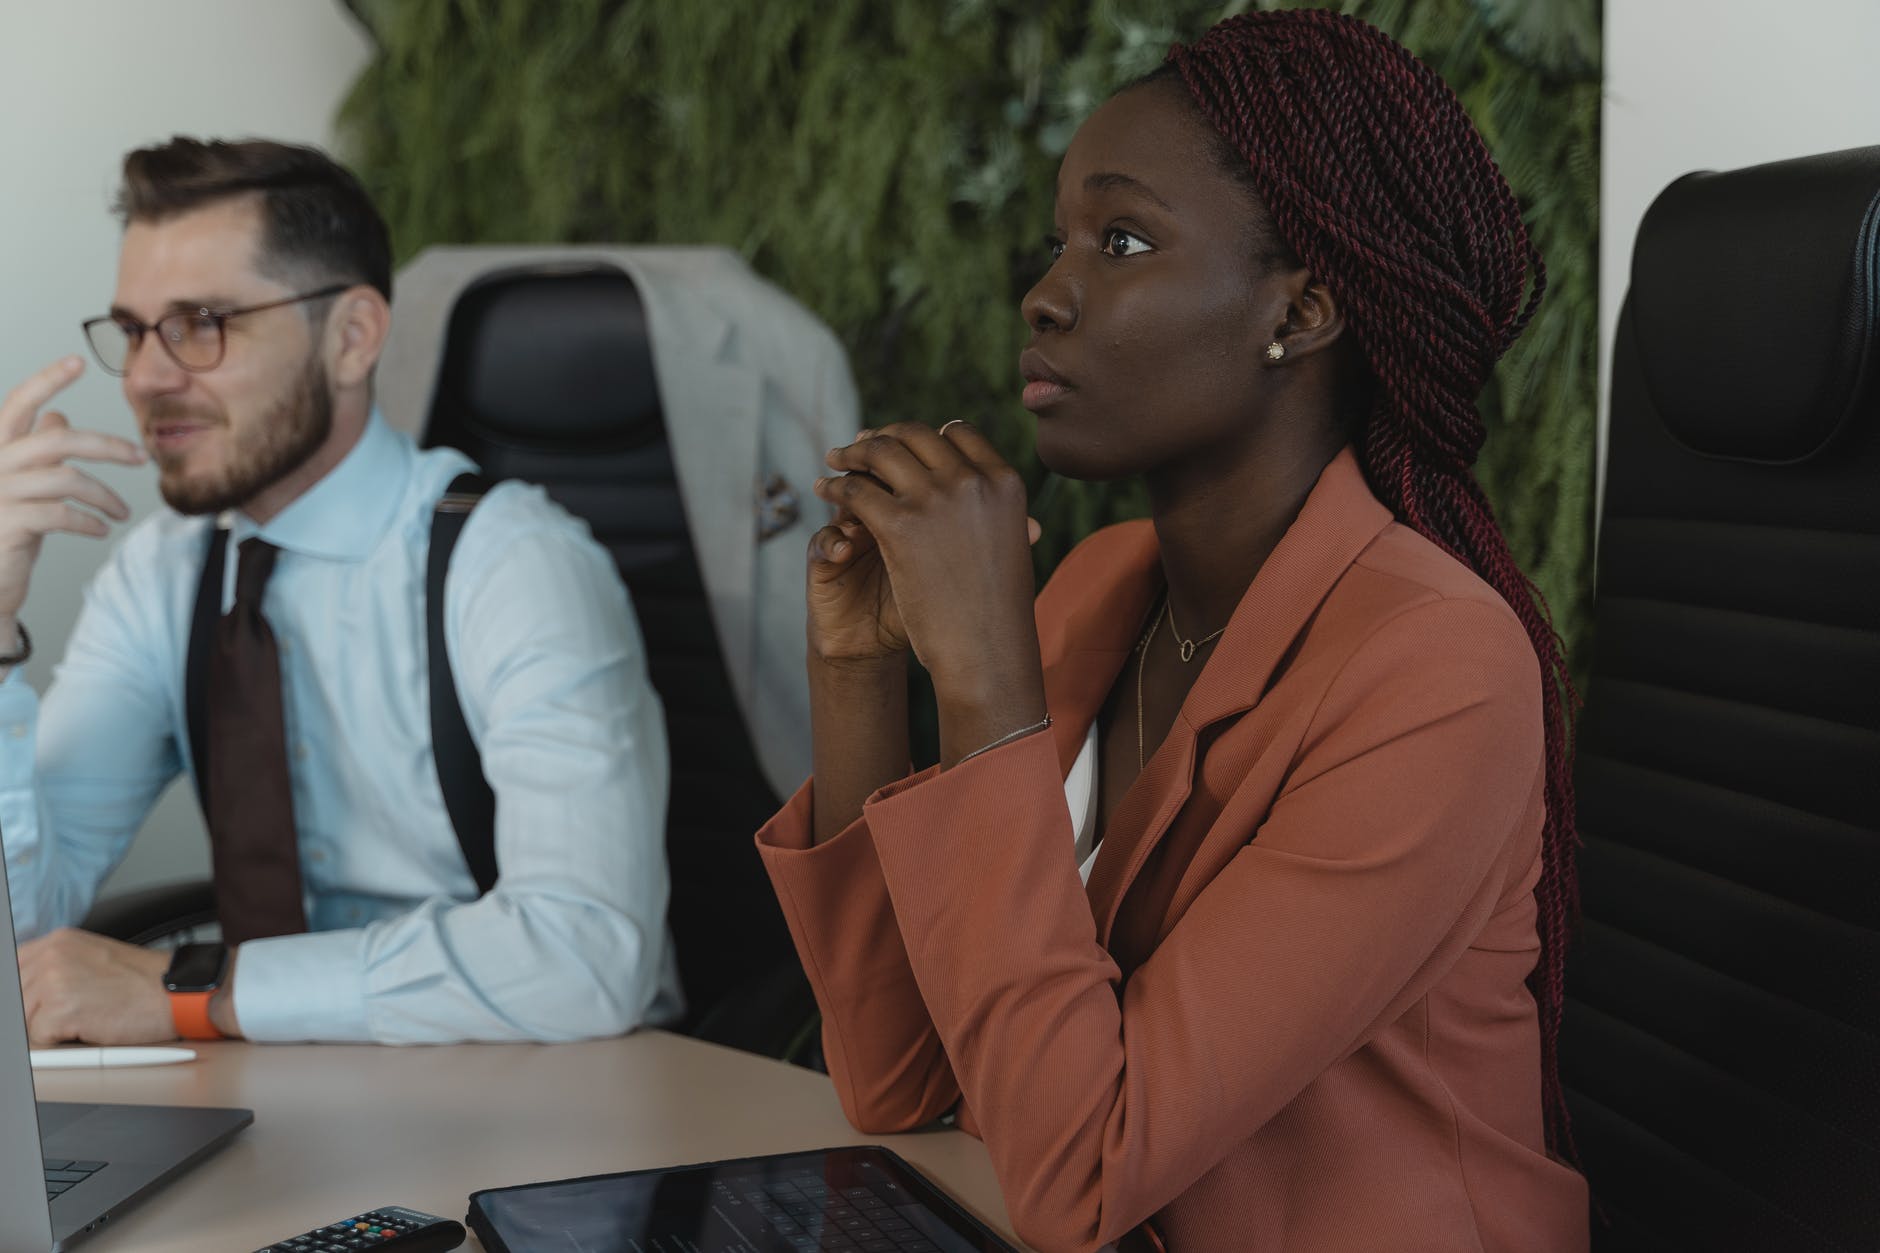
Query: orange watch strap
(190,1012)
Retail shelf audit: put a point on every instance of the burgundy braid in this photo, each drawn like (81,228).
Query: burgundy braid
(1377,180)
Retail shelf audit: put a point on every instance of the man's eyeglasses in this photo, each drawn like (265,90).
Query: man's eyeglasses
(194,338)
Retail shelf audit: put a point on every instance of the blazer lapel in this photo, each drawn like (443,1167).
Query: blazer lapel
(1338,521)
(1085,648)
(713,408)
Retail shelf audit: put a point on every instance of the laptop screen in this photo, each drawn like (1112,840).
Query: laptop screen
(25,1221)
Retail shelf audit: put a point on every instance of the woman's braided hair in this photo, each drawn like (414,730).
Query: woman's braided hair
(1377,181)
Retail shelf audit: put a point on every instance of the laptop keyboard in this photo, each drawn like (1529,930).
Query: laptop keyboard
(62,1175)
(805,1213)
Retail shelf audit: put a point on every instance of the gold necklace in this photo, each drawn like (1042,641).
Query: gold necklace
(1187,646)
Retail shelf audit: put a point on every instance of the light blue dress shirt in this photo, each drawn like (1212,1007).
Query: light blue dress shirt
(572,941)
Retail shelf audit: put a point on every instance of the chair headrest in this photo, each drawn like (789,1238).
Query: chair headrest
(1753,305)
(550,356)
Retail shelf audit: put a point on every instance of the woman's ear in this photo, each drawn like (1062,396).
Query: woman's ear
(1313,320)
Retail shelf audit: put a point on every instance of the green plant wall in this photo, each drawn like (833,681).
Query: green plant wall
(890,162)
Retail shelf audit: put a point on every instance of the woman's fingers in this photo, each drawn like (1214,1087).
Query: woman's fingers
(830,546)
(840,543)
(885,457)
(974,447)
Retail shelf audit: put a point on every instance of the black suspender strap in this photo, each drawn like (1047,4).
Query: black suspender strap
(467,794)
(201,643)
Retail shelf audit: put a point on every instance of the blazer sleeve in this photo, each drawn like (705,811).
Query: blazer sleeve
(1102,1100)
(884,1054)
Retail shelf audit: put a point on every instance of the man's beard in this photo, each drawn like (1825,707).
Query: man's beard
(269,449)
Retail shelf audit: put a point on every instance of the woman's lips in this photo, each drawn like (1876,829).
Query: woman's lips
(1042,393)
(1043,385)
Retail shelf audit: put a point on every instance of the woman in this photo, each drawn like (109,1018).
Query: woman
(1308,761)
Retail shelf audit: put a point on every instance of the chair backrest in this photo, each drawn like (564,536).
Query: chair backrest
(1722,1039)
(547,376)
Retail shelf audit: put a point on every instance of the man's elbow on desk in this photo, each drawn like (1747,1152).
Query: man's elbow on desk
(445,975)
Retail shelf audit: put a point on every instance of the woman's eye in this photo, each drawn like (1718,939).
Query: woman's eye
(1054,245)
(1122,243)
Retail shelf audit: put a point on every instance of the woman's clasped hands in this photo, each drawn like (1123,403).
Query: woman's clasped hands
(930,551)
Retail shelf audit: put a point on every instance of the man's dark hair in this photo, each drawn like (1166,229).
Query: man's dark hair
(318,224)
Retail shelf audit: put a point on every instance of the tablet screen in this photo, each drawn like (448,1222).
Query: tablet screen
(856,1200)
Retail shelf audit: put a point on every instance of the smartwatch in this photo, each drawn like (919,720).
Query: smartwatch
(196,971)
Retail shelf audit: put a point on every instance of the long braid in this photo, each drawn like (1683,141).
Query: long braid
(1378,182)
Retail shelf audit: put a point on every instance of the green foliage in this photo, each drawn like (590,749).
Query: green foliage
(891,164)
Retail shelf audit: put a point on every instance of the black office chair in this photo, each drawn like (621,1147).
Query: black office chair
(547,376)
(1722,1039)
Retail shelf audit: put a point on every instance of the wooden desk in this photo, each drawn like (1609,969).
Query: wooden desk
(340,1129)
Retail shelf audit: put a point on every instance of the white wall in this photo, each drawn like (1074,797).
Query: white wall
(81,83)
(1715,85)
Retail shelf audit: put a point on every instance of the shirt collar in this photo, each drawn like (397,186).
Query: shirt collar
(343,516)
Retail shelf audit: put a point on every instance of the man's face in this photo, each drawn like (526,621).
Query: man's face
(222,436)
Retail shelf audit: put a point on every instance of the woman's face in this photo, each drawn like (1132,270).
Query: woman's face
(1150,328)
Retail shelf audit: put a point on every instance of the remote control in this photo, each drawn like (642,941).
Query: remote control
(390,1227)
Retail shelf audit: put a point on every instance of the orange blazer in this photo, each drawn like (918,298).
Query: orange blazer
(1288,1013)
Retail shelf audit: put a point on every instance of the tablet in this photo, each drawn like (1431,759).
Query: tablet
(855,1200)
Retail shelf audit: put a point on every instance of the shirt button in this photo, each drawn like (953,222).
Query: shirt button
(317,855)
(300,751)
(287,646)
(17,730)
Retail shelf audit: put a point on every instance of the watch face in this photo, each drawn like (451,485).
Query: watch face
(196,968)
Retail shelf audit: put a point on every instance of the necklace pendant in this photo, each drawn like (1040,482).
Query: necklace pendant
(1188,650)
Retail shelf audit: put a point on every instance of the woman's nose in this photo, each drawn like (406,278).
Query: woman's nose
(1051,304)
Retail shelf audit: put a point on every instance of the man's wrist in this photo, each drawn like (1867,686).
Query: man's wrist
(16,646)
(200,984)
(222,1001)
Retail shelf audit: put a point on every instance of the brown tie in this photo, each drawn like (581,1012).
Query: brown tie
(250,797)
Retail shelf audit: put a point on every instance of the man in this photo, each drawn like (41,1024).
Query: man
(252,304)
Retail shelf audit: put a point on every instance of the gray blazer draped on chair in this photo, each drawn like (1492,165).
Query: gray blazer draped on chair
(754,388)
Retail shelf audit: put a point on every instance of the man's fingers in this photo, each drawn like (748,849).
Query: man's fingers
(17,410)
(46,516)
(63,482)
(1033,531)
(48,446)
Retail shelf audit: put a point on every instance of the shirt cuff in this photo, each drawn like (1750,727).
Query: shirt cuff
(19,712)
(19,801)
(303,987)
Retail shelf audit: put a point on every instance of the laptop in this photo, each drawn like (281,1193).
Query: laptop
(66,1168)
